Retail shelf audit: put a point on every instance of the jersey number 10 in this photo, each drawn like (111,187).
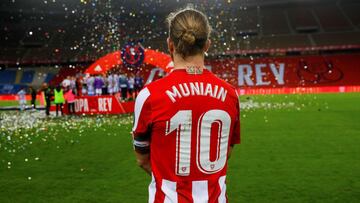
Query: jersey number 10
(182,123)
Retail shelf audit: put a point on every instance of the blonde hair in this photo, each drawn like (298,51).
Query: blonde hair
(189,29)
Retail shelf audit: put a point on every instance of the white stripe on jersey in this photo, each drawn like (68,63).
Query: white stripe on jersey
(140,100)
(152,189)
(200,191)
(222,185)
(169,189)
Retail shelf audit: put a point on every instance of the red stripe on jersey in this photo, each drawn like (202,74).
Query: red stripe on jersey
(159,195)
(184,191)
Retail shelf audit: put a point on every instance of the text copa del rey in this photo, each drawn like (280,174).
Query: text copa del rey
(103,105)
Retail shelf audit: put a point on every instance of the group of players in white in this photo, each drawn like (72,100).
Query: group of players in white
(109,84)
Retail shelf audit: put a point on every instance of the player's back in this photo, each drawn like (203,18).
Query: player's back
(193,119)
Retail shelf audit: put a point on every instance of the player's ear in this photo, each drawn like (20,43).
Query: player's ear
(207,45)
(170,44)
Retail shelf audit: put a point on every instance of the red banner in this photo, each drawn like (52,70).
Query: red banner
(298,90)
(297,71)
(106,63)
(279,72)
(101,105)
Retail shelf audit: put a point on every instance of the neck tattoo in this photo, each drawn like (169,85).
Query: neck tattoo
(194,70)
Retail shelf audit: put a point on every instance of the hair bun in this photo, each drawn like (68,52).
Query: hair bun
(189,37)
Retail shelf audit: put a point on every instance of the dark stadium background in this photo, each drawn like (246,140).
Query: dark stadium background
(66,33)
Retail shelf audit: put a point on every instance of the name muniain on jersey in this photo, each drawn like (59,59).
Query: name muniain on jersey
(196,88)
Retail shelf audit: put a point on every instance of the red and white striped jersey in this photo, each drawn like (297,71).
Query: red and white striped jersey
(187,122)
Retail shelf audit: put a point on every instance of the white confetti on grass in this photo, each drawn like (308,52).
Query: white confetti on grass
(19,130)
(23,121)
(250,105)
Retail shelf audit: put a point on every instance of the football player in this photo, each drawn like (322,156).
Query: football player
(187,123)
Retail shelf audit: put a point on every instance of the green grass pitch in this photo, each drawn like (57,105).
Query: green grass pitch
(295,148)
(6,103)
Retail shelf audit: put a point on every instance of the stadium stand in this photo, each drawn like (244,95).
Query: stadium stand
(13,79)
(302,20)
(7,76)
(27,76)
(270,42)
(331,18)
(323,39)
(246,21)
(37,54)
(36,36)
(274,21)
(11,55)
(64,72)
(352,11)
(49,77)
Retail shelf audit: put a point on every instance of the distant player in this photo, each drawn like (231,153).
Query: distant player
(123,84)
(22,99)
(59,99)
(138,83)
(33,94)
(187,123)
(110,83)
(131,82)
(90,85)
(98,85)
(48,93)
(66,82)
(116,83)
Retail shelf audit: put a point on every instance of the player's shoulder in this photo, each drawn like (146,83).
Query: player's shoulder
(142,97)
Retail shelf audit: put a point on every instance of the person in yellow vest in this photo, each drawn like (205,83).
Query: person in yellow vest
(47,96)
(59,99)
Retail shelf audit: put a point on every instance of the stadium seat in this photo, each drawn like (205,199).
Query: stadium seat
(352,11)
(324,39)
(331,18)
(11,54)
(27,76)
(7,76)
(274,21)
(246,21)
(35,39)
(49,77)
(302,20)
(11,89)
(273,42)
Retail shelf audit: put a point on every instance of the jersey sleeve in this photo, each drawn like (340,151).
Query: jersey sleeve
(142,122)
(235,138)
